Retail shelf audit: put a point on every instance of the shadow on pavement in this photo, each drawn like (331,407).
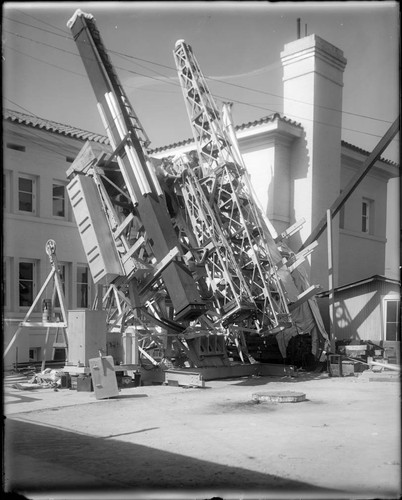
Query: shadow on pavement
(131,396)
(44,459)
(130,433)
(298,377)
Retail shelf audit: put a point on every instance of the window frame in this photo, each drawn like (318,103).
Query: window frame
(65,277)
(36,351)
(367,219)
(88,284)
(7,191)
(33,193)
(7,277)
(386,301)
(57,183)
(35,266)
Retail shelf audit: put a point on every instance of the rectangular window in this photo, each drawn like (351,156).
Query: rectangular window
(392,320)
(62,274)
(82,286)
(367,216)
(26,283)
(7,282)
(7,190)
(59,200)
(26,194)
(34,354)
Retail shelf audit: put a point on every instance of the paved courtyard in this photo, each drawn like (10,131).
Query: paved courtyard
(343,441)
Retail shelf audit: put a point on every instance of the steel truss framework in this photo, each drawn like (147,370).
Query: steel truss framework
(190,262)
(219,199)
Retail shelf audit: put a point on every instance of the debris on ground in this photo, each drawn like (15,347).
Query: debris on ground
(47,378)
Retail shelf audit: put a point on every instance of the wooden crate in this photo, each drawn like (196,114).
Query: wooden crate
(338,367)
(356,350)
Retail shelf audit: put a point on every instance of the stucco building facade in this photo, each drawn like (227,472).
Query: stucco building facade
(36,155)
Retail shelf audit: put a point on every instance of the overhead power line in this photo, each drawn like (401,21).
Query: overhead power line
(244,87)
(43,22)
(259,91)
(66,34)
(168,81)
(63,143)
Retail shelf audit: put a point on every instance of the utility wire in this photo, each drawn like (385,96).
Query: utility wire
(255,90)
(66,35)
(167,80)
(42,21)
(77,55)
(67,152)
(61,139)
(221,98)
(207,78)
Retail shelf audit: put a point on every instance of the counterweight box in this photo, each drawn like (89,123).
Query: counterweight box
(87,335)
(94,230)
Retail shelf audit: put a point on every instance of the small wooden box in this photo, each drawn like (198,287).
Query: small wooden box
(338,367)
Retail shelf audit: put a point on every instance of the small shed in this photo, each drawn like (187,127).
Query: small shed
(366,310)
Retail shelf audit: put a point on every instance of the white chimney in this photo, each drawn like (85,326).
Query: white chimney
(313,81)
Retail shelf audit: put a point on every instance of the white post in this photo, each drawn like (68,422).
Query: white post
(330,282)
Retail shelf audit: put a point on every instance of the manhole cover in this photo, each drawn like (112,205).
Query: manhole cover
(278,397)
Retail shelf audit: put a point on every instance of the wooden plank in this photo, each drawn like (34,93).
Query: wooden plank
(241,370)
(355,181)
(307,294)
(184,378)
(294,228)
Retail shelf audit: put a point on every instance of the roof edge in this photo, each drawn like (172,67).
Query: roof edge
(375,277)
(243,126)
(52,126)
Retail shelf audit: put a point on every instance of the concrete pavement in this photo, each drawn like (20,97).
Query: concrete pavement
(172,442)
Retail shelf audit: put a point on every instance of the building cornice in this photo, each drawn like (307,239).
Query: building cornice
(362,282)
(349,149)
(274,123)
(268,124)
(36,122)
(306,47)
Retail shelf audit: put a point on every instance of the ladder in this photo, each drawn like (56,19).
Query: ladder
(151,254)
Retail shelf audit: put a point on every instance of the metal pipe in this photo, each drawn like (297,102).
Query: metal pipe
(154,179)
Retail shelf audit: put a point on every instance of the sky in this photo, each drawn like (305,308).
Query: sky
(237,45)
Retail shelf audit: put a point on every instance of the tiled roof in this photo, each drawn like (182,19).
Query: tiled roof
(366,153)
(354,284)
(266,119)
(51,126)
(243,126)
(76,133)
